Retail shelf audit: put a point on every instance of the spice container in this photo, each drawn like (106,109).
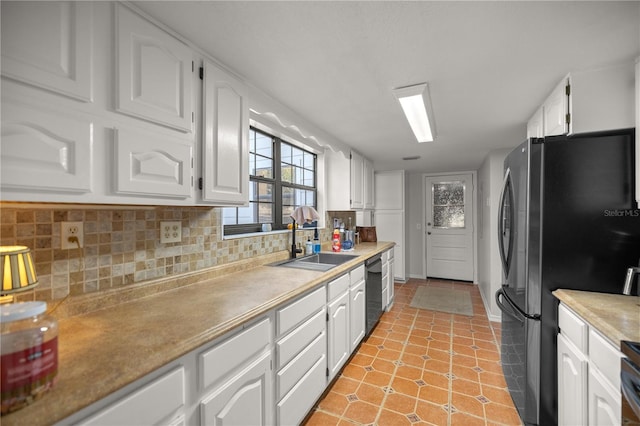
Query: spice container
(29,349)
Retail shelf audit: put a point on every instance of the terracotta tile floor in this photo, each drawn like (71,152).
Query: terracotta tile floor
(423,367)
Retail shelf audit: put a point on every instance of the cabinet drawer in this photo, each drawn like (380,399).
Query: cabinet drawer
(295,313)
(357,275)
(385,269)
(605,357)
(297,403)
(225,357)
(149,405)
(385,257)
(573,328)
(338,286)
(293,372)
(295,342)
(391,253)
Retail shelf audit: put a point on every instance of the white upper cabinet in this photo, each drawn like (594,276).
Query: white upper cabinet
(49,45)
(535,126)
(45,152)
(556,110)
(357,175)
(152,165)
(368,185)
(225,151)
(590,101)
(154,72)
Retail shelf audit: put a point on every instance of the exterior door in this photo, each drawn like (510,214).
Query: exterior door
(449,230)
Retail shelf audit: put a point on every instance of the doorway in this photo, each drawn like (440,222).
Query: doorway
(449,227)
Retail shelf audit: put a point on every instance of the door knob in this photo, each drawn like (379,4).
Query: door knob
(428,233)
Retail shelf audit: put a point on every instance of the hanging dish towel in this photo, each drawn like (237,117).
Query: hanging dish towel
(305,214)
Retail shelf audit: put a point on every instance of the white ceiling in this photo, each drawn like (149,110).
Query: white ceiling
(489,65)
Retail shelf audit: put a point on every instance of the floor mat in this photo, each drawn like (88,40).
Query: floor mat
(443,300)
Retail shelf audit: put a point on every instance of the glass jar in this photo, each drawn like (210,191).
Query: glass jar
(29,349)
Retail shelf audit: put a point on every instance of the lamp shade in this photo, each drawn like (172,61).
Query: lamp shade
(17,270)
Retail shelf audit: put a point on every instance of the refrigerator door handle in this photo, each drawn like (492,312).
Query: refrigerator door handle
(513,311)
(502,224)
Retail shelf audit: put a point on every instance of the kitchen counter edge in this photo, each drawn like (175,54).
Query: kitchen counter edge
(99,351)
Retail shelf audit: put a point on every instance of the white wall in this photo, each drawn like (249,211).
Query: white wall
(490,178)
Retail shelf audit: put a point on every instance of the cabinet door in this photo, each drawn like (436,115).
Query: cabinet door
(48,45)
(391,287)
(535,126)
(339,347)
(357,172)
(357,314)
(605,405)
(154,72)
(152,165)
(555,109)
(226,140)
(572,384)
(45,152)
(369,185)
(245,399)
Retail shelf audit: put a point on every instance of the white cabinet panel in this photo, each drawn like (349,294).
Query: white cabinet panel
(389,190)
(43,151)
(150,405)
(368,184)
(296,312)
(154,72)
(288,347)
(339,347)
(357,308)
(357,174)
(535,125)
(555,109)
(604,401)
(572,384)
(152,165)
(314,351)
(237,350)
(49,45)
(245,399)
(226,143)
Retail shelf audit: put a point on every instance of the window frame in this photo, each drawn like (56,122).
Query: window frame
(278,184)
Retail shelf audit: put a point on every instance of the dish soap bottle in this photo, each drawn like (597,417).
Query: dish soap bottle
(308,247)
(335,242)
(316,242)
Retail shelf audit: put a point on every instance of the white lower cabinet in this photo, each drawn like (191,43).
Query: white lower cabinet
(270,371)
(357,307)
(238,374)
(301,356)
(588,374)
(155,403)
(338,333)
(244,399)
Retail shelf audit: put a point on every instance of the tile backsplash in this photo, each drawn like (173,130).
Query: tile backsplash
(122,246)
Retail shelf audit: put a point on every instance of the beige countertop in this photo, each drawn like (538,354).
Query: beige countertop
(110,340)
(615,316)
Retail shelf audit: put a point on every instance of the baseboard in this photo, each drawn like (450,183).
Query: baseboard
(487,309)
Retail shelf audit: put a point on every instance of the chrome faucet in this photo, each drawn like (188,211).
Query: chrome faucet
(628,281)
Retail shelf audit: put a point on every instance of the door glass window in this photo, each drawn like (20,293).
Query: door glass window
(448,204)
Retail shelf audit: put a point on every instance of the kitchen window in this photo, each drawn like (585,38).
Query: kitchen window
(282,177)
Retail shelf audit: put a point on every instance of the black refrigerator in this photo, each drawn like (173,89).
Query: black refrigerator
(568,219)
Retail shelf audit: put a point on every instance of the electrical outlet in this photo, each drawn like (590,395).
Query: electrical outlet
(170,232)
(71,235)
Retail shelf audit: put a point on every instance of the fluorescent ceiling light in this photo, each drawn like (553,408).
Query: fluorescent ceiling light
(416,104)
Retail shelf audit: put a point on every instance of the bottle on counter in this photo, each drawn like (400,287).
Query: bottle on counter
(335,241)
(308,247)
(316,241)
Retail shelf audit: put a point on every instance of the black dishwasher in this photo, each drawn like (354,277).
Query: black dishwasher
(373,291)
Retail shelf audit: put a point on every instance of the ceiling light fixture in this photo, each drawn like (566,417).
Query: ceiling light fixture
(416,104)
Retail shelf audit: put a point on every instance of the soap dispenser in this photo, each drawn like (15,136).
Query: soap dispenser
(308,247)
(316,241)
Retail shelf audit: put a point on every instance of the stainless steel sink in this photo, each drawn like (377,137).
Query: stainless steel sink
(317,262)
